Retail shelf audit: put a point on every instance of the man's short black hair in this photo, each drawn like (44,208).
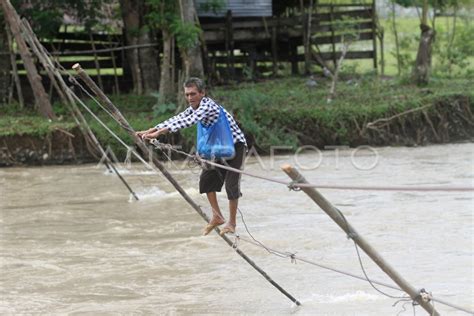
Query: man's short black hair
(196,82)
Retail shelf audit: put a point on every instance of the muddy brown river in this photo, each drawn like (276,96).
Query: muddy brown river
(73,242)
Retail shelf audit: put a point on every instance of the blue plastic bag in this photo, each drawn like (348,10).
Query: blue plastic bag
(215,141)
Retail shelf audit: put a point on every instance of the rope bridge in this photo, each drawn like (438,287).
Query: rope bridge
(421,297)
(294,185)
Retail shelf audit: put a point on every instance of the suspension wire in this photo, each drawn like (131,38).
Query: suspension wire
(134,152)
(368,279)
(77,83)
(294,258)
(294,185)
(74,81)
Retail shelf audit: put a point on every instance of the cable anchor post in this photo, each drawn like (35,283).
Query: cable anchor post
(293,186)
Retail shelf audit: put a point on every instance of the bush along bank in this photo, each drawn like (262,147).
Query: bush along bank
(282,112)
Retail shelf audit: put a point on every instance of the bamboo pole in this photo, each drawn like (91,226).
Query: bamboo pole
(41,98)
(342,222)
(16,77)
(149,153)
(96,61)
(59,83)
(374,34)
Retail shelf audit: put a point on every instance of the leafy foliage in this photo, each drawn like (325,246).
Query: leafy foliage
(46,16)
(454,48)
(162,108)
(164,14)
(186,33)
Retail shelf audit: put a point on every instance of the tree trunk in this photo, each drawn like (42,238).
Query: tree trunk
(422,69)
(395,33)
(5,67)
(14,69)
(149,64)
(166,83)
(131,20)
(41,98)
(143,62)
(192,56)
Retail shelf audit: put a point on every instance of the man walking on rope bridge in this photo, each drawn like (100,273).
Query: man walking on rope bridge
(206,112)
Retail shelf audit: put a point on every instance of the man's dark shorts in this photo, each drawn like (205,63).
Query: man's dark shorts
(212,178)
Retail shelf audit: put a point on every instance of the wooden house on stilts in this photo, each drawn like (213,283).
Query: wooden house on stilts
(249,38)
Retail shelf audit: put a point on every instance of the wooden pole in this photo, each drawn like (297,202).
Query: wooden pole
(274,51)
(205,52)
(149,153)
(229,45)
(96,61)
(307,38)
(342,222)
(30,38)
(64,91)
(16,77)
(374,34)
(116,82)
(41,97)
(293,52)
(333,40)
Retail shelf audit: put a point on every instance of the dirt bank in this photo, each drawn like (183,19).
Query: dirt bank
(447,120)
(57,147)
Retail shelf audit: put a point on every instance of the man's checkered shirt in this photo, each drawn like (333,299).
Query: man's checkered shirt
(207,113)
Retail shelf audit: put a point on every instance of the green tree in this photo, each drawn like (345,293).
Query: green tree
(177,22)
(162,16)
(422,67)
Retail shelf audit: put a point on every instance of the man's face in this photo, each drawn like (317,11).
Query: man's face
(193,96)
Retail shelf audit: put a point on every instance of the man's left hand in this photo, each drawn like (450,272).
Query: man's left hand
(155,134)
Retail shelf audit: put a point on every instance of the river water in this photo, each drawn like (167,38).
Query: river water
(72,241)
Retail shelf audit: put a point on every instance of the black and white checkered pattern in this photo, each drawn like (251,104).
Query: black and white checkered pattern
(207,113)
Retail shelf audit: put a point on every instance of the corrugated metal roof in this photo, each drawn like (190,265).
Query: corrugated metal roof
(239,8)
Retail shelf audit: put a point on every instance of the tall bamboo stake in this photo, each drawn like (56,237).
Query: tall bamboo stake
(16,77)
(96,61)
(340,220)
(149,153)
(64,92)
(41,98)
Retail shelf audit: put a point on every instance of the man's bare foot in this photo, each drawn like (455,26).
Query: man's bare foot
(228,228)
(213,223)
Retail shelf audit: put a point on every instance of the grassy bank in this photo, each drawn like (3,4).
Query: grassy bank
(281,112)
